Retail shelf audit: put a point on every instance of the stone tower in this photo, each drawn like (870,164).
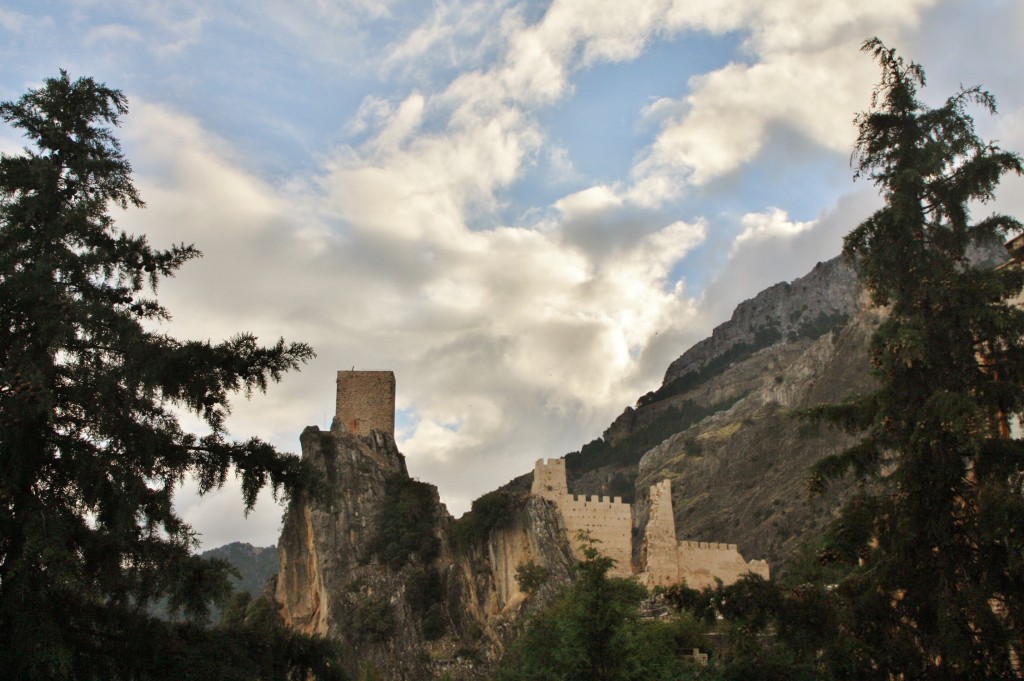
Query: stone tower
(366,401)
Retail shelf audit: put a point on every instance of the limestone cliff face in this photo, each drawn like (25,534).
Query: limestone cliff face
(831,289)
(436,610)
(738,475)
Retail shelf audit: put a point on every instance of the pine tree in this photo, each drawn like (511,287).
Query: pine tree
(91,450)
(935,588)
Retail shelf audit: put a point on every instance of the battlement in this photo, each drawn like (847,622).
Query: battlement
(609,522)
(366,402)
(706,546)
(549,479)
(610,502)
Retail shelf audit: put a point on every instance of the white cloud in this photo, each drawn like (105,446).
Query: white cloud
(487,329)
(13,21)
(112,33)
(511,340)
(804,75)
(774,224)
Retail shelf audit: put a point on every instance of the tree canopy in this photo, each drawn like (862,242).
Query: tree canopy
(91,447)
(935,587)
(593,630)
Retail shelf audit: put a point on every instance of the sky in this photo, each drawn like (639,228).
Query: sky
(526,210)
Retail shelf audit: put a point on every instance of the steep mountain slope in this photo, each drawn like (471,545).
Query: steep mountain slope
(722,426)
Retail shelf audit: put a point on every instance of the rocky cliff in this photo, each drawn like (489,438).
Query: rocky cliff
(724,425)
(828,294)
(377,565)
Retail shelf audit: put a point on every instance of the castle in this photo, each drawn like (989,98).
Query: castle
(663,559)
(366,403)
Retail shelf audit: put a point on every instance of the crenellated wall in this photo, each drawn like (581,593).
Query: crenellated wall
(664,560)
(607,521)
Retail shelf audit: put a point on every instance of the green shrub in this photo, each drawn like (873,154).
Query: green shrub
(404,523)
(531,576)
(373,619)
(492,511)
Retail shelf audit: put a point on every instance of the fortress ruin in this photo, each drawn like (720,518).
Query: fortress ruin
(664,560)
(366,402)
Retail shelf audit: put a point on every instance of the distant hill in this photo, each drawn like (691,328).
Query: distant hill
(255,564)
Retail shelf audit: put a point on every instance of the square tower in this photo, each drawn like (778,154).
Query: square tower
(366,401)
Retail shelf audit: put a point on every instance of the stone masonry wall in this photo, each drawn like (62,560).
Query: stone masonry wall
(366,402)
(700,563)
(659,549)
(664,560)
(608,522)
(667,561)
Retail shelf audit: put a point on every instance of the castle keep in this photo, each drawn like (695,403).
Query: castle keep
(663,559)
(366,402)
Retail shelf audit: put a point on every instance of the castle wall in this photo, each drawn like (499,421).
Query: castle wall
(549,479)
(658,555)
(607,521)
(366,402)
(664,560)
(700,563)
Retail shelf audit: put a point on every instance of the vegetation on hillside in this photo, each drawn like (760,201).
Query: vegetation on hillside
(593,630)
(764,336)
(629,450)
(404,523)
(254,565)
(492,511)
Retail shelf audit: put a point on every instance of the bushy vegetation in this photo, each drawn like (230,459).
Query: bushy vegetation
(530,576)
(593,631)
(373,619)
(492,511)
(92,447)
(630,449)
(404,523)
(424,591)
(919,576)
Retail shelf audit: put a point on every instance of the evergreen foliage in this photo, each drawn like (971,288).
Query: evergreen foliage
(491,511)
(630,449)
(90,444)
(935,587)
(254,565)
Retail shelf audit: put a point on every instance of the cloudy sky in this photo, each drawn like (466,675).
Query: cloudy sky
(524,209)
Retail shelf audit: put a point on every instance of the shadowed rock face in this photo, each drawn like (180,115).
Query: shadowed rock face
(829,290)
(433,611)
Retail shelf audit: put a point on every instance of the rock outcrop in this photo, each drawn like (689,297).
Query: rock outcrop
(785,311)
(372,563)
